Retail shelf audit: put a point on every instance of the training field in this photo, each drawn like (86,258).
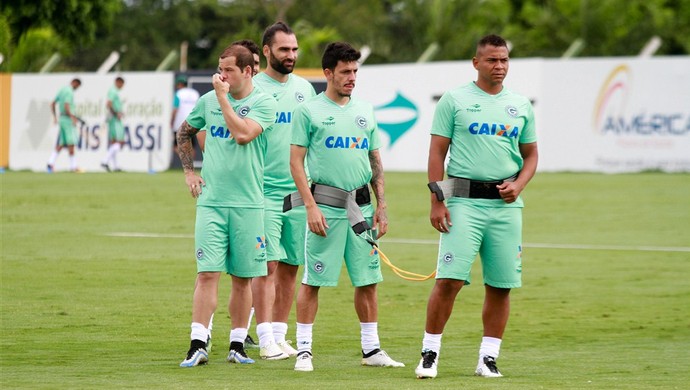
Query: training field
(98,271)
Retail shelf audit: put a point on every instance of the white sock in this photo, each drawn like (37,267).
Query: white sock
(238,335)
(370,336)
(304,332)
(490,347)
(72,162)
(432,342)
(279,331)
(251,314)
(111,156)
(199,332)
(265,332)
(53,157)
(210,325)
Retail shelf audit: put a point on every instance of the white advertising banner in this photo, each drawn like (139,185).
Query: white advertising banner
(601,115)
(615,115)
(147,105)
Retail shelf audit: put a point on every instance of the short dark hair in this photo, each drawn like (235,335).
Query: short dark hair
(493,40)
(249,44)
(271,31)
(338,51)
(120,79)
(76,81)
(243,57)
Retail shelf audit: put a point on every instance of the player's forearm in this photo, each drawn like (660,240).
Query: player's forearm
(172,118)
(436,170)
(438,149)
(377,178)
(299,175)
(185,149)
(530,159)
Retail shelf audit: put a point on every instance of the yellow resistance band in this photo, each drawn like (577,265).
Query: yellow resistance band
(407,275)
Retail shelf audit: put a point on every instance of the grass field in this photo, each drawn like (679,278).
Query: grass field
(86,303)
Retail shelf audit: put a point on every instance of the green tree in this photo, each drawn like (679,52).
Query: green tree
(5,42)
(145,31)
(34,49)
(76,21)
(545,28)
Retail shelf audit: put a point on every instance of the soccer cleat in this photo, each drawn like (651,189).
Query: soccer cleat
(303,362)
(427,367)
(195,356)
(239,357)
(487,368)
(250,343)
(49,168)
(105,166)
(379,358)
(209,344)
(287,348)
(272,352)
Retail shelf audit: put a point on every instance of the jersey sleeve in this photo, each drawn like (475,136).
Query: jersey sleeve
(444,117)
(301,134)
(263,112)
(176,101)
(59,95)
(529,132)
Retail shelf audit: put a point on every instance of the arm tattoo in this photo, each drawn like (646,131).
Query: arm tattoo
(377,181)
(185,149)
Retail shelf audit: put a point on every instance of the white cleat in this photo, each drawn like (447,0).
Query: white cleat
(287,348)
(427,367)
(487,368)
(272,352)
(303,362)
(379,358)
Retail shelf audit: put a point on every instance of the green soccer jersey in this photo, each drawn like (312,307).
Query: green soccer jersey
(65,95)
(114,97)
(277,177)
(338,140)
(485,132)
(233,173)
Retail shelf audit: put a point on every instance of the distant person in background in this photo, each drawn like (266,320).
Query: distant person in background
(201,135)
(487,171)
(183,103)
(62,108)
(116,132)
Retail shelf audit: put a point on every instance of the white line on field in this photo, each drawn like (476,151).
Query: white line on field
(412,241)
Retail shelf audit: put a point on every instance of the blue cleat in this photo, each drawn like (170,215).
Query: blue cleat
(195,357)
(239,357)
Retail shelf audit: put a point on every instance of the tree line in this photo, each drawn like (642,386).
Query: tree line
(144,32)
